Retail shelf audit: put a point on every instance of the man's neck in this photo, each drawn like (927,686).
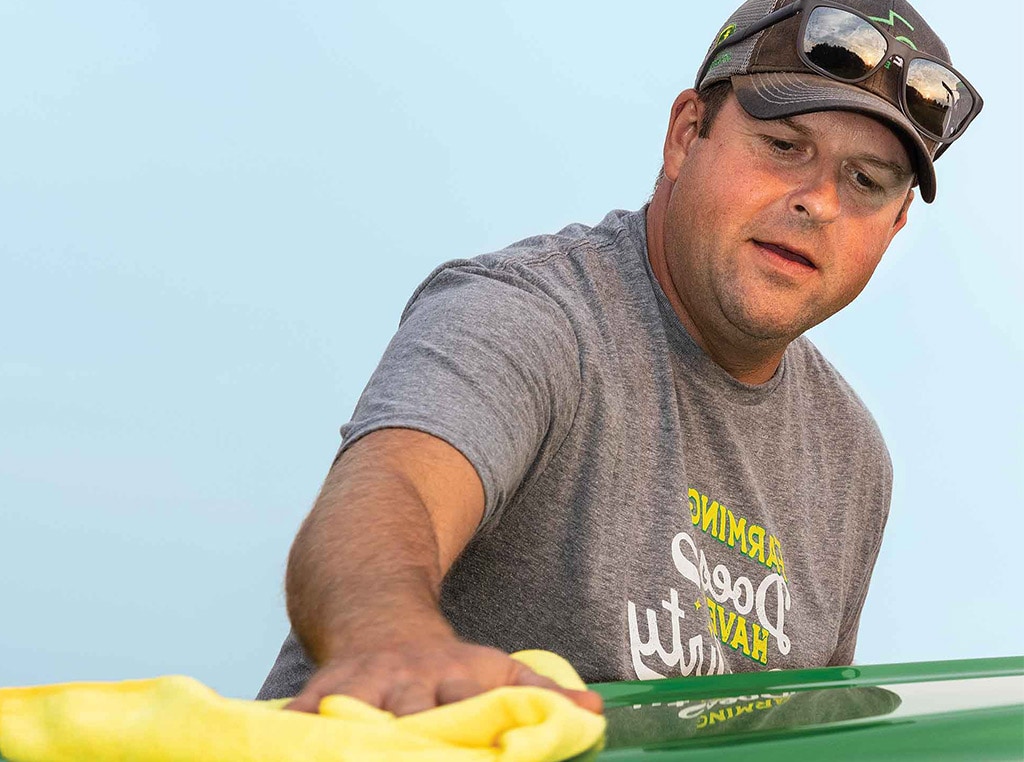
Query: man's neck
(746,362)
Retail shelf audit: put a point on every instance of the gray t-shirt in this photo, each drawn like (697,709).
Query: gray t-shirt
(646,514)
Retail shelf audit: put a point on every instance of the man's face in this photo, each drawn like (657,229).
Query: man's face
(773,226)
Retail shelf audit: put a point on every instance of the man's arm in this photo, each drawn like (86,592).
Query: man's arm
(364,579)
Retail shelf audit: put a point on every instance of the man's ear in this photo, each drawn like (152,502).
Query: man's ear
(683,129)
(901,218)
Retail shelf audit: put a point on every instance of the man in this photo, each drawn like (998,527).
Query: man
(614,442)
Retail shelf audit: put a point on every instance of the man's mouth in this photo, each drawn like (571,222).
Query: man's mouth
(790,254)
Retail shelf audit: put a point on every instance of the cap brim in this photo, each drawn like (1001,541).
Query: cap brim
(772,95)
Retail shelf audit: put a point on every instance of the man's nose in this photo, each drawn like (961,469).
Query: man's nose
(816,199)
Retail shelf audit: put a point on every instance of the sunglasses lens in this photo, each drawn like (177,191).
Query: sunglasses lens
(842,44)
(937,99)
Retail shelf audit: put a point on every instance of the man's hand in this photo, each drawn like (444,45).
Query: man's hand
(420,675)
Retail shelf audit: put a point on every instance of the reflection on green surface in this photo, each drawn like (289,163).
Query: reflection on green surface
(643,724)
(749,683)
(974,711)
(970,736)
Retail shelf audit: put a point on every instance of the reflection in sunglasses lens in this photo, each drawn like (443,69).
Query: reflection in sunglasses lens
(844,45)
(936,98)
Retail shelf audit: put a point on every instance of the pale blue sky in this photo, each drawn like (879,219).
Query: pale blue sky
(213,213)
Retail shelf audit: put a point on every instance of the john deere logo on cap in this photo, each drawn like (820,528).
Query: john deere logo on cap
(891,22)
(725,34)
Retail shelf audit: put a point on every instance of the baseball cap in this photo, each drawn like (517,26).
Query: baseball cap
(771,80)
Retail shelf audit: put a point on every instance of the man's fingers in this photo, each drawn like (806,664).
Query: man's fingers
(315,691)
(450,691)
(588,700)
(394,683)
(523,675)
(371,693)
(304,702)
(409,698)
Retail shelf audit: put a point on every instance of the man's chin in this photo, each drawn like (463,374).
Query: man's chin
(769,326)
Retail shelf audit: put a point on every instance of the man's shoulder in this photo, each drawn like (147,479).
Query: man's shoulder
(555,267)
(814,368)
(576,248)
(825,391)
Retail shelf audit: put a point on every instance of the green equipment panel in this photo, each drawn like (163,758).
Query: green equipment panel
(952,710)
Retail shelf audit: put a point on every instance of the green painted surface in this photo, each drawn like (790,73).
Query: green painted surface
(953,710)
(648,691)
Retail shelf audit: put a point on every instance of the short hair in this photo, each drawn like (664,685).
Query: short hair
(713,97)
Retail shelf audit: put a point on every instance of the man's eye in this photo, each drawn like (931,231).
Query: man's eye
(865,182)
(778,145)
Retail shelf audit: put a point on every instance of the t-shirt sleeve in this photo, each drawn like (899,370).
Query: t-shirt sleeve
(485,360)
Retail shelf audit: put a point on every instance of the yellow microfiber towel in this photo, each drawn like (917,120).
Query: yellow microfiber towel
(178,719)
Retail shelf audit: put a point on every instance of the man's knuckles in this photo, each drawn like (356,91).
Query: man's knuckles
(409,698)
(453,689)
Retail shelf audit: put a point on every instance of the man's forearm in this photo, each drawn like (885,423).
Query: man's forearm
(364,568)
(365,573)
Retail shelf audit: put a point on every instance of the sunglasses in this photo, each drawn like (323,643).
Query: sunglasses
(845,45)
